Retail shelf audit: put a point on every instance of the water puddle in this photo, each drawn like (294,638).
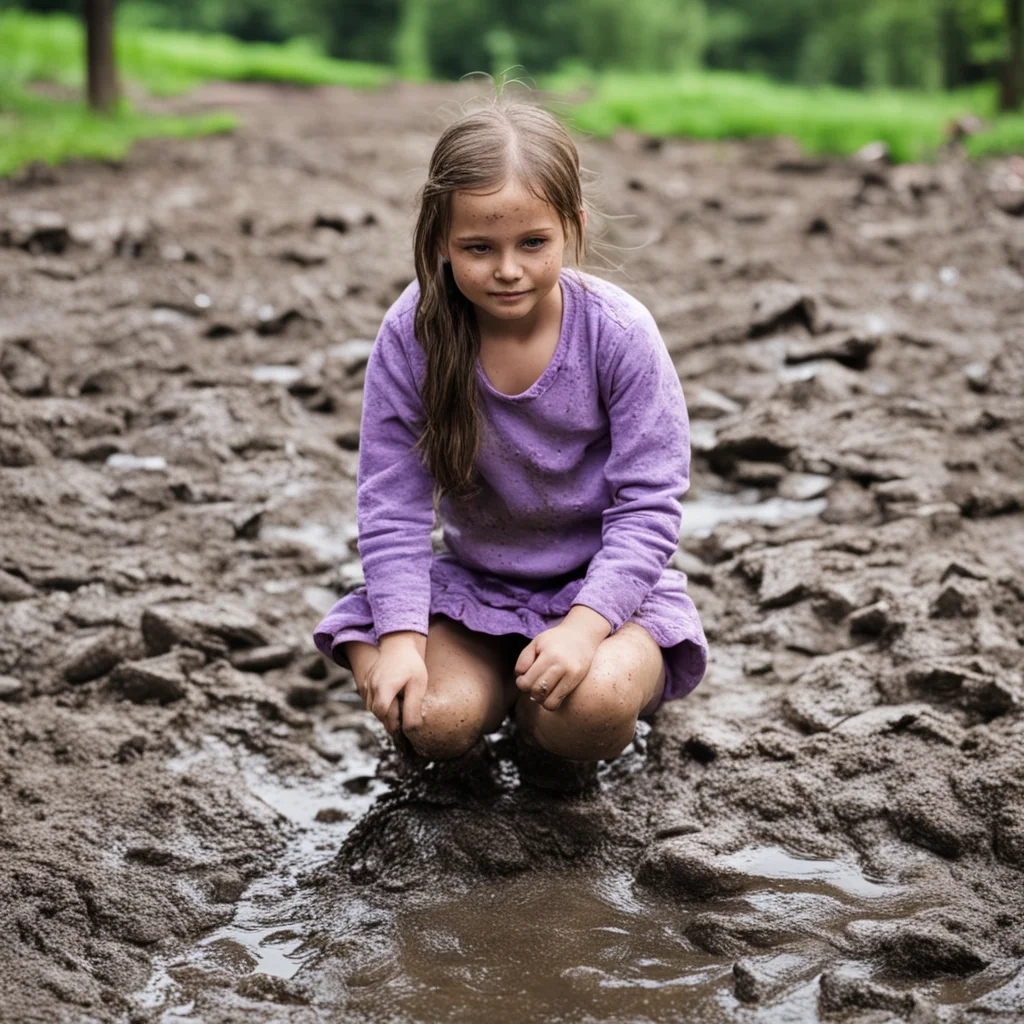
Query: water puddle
(827,876)
(569,946)
(330,544)
(703,512)
(276,374)
(553,945)
(266,934)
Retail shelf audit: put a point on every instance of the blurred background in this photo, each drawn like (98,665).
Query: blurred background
(836,75)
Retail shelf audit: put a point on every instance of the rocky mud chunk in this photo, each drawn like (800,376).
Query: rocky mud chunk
(685,867)
(955,601)
(35,231)
(733,934)
(25,372)
(842,995)
(11,688)
(918,949)
(972,684)
(930,816)
(780,304)
(705,404)
(1009,836)
(18,448)
(872,620)
(762,441)
(756,979)
(344,218)
(14,588)
(92,658)
(263,659)
(212,629)
(850,350)
(163,679)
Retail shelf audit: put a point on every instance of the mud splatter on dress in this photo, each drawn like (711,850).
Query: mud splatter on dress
(580,478)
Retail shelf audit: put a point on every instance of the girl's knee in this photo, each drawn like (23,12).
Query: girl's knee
(449,728)
(596,722)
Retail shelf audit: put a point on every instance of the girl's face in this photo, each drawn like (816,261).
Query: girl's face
(505,248)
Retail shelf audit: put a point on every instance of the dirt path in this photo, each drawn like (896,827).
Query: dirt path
(194,823)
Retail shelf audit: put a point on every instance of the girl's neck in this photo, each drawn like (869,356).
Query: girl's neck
(546,314)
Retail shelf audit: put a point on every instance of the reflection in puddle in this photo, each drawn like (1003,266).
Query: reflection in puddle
(330,544)
(566,946)
(771,862)
(701,514)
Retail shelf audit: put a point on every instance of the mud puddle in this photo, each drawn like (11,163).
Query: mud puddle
(708,509)
(597,947)
(266,933)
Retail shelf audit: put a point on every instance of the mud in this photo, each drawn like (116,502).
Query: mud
(198,824)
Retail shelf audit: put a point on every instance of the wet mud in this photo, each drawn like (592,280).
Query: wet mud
(200,823)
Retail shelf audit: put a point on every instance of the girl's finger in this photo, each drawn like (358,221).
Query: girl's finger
(393,717)
(546,685)
(526,657)
(542,668)
(557,694)
(412,702)
(383,698)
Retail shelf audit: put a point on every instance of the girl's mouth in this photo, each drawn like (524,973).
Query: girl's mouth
(509,296)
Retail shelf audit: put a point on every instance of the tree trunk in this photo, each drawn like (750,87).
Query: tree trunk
(953,43)
(1013,76)
(99,47)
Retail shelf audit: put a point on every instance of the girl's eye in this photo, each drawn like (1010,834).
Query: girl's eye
(539,241)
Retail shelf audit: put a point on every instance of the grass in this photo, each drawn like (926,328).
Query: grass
(698,104)
(40,48)
(715,105)
(37,128)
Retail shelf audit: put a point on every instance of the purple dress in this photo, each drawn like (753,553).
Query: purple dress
(580,479)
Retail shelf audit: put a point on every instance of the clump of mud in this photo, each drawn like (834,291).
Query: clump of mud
(197,820)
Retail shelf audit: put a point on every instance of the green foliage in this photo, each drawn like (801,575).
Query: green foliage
(50,48)
(35,48)
(1002,138)
(712,105)
(918,44)
(34,127)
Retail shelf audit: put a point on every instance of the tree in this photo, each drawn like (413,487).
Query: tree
(99,48)
(1013,75)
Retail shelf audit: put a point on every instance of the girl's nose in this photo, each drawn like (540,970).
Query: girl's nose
(508,269)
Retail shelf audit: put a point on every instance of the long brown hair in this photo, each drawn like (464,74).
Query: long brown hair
(481,150)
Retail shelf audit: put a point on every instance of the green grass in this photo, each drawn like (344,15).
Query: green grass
(50,48)
(34,127)
(40,48)
(1004,137)
(715,105)
(699,104)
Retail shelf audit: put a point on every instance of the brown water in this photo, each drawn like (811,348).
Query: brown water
(558,946)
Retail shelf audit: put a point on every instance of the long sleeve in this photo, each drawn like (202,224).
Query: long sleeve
(647,471)
(395,511)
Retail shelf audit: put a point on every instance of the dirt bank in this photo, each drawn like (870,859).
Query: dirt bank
(195,825)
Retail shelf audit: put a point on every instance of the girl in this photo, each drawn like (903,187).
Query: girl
(539,406)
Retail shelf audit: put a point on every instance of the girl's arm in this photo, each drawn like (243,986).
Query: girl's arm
(395,508)
(648,471)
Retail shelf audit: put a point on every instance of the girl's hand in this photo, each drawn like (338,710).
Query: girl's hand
(398,670)
(556,661)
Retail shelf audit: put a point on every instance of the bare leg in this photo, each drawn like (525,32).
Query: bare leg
(470,685)
(597,720)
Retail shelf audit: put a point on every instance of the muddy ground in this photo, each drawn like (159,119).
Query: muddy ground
(197,824)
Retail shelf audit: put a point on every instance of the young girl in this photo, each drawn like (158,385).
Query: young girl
(541,409)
